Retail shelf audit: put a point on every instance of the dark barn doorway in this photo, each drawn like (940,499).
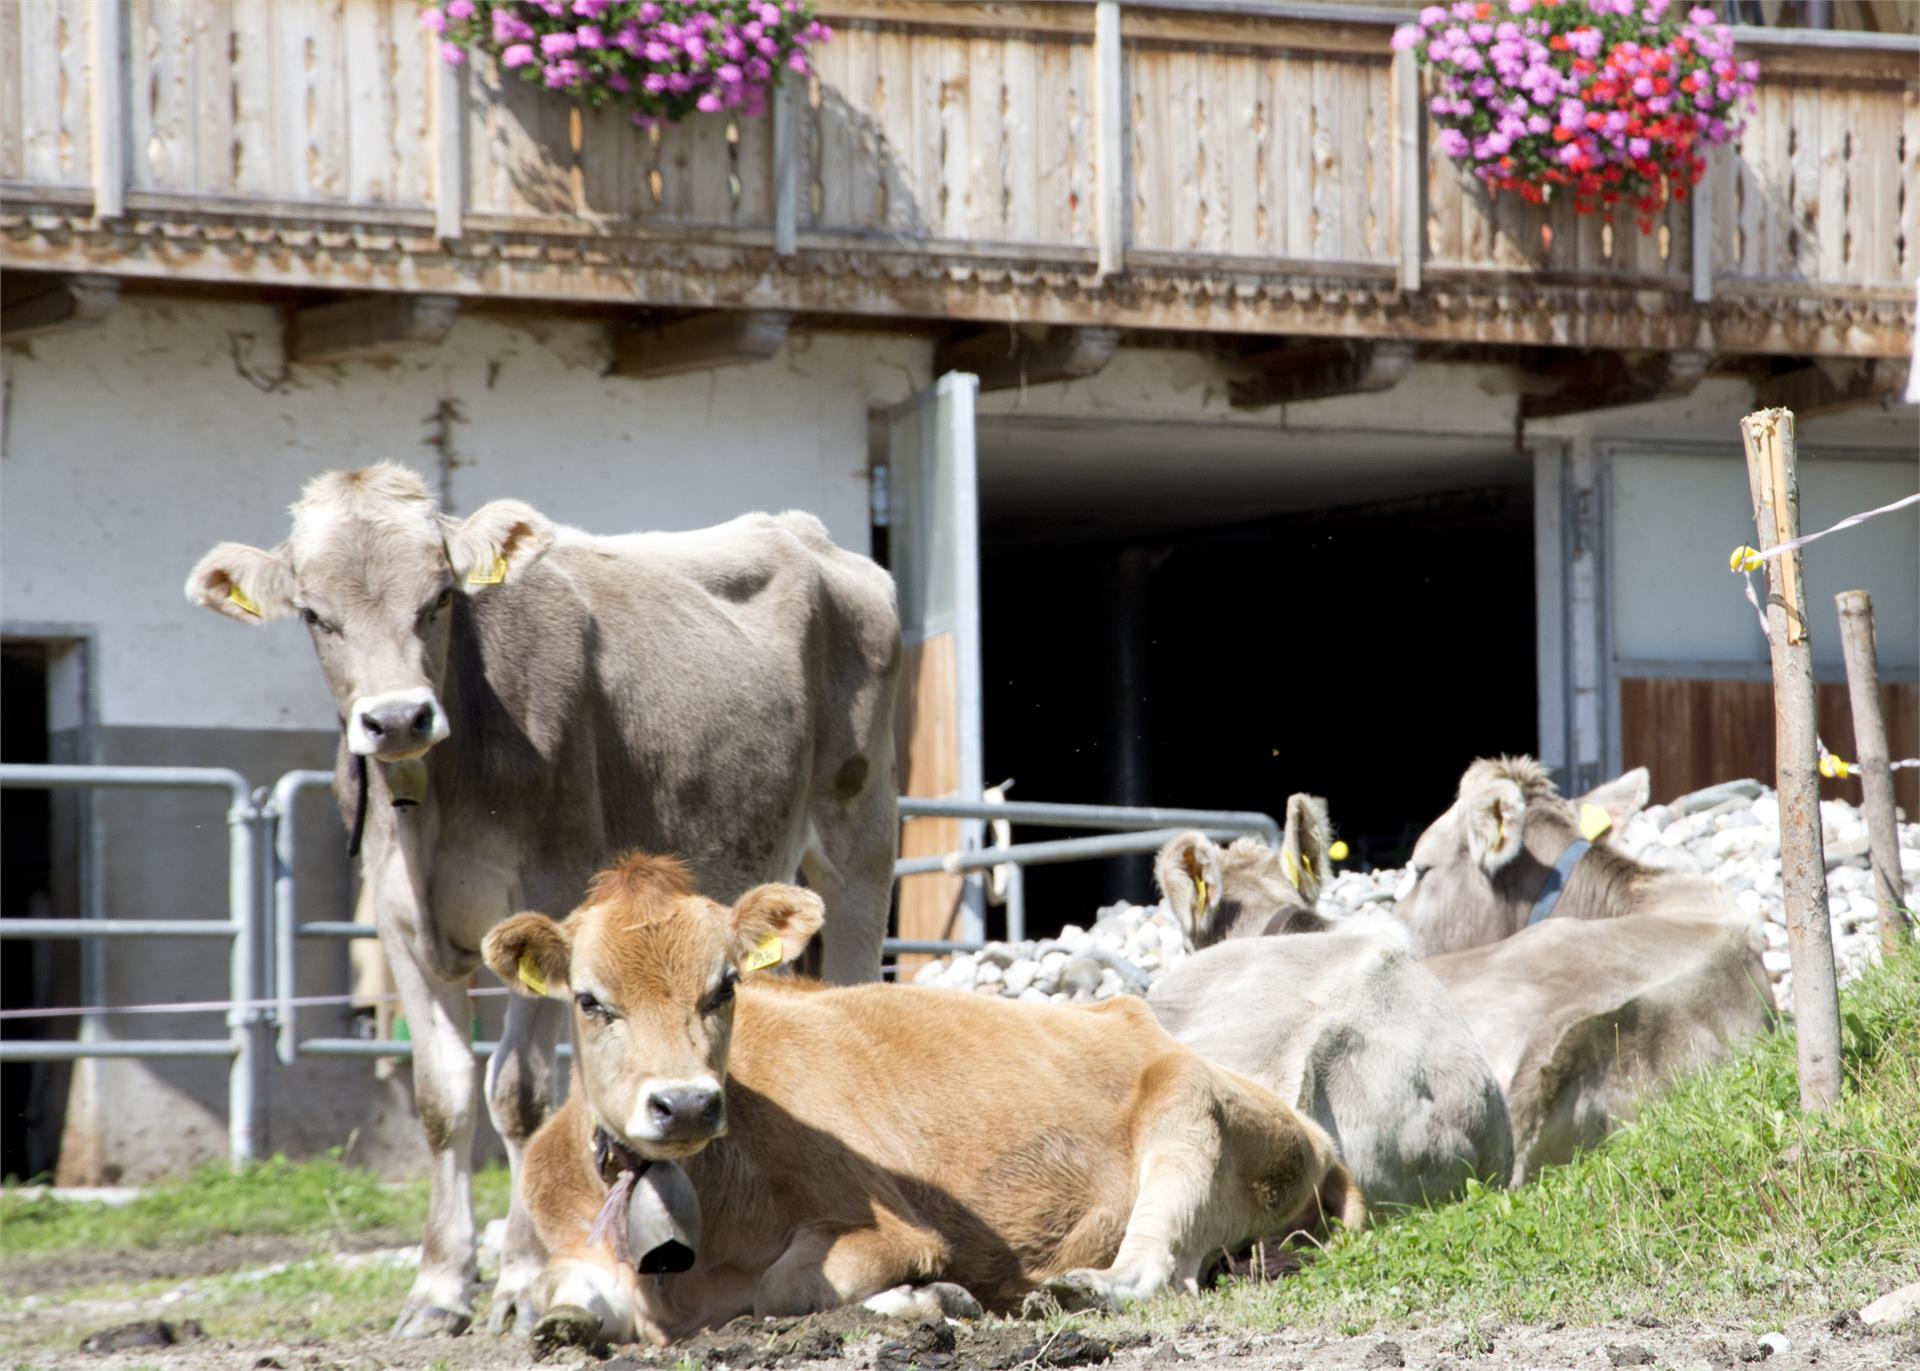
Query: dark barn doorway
(1224,626)
(41,720)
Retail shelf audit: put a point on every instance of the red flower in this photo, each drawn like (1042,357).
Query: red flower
(1561,133)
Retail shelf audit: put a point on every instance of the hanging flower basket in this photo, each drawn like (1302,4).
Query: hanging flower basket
(664,60)
(1612,101)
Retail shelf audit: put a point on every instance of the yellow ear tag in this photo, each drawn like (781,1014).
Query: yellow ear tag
(491,577)
(1745,559)
(1833,768)
(240,598)
(1594,821)
(1500,833)
(530,975)
(1293,872)
(1200,889)
(769,953)
(1338,851)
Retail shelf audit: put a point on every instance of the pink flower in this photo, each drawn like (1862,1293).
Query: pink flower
(1453,142)
(708,103)
(1406,36)
(589,36)
(798,62)
(1639,148)
(769,14)
(433,21)
(518,55)
(654,83)
(564,73)
(453,54)
(649,13)
(659,52)
(590,9)
(1432,15)
(729,74)
(460,9)
(615,81)
(557,44)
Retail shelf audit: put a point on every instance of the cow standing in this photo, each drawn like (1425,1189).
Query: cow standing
(521,699)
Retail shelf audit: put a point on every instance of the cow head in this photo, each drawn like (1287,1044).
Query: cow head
(1248,888)
(1478,868)
(650,968)
(373,567)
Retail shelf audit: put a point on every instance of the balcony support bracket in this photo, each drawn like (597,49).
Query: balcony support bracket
(1829,385)
(1607,380)
(1319,370)
(716,338)
(1006,358)
(68,302)
(370,326)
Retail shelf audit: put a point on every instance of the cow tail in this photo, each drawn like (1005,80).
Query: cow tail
(1340,1197)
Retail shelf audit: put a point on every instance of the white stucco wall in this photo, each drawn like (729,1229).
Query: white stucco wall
(133,447)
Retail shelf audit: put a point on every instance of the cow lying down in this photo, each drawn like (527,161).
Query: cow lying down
(846,1142)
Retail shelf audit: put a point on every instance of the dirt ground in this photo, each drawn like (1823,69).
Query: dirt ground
(158,1312)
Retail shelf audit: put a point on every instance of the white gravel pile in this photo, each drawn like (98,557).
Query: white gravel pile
(1728,833)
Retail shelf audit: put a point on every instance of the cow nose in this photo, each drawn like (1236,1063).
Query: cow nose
(398,726)
(685,1110)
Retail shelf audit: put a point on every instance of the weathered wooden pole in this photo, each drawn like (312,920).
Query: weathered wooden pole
(1874,766)
(1769,438)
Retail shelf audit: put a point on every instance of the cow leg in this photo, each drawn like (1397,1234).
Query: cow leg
(1181,1198)
(851,846)
(522,1082)
(439,1019)
(826,1267)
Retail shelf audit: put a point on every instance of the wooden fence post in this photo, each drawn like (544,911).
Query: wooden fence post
(1876,775)
(1769,438)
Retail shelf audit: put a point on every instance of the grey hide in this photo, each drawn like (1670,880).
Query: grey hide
(1480,866)
(724,695)
(1577,1018)
(1356,1034)
(1247,889)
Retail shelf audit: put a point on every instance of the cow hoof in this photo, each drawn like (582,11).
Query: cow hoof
(431,1321)
(511,1314)
(1076,1292)
(568,1325)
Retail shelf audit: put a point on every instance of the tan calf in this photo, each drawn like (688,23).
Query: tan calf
(845,1142)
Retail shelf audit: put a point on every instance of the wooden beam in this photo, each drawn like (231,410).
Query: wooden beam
(1703,243)
(1005,358)
(718,338)
(1824,387)
(1410,167)
(786,183)
(1110,139)
(1607,380)
(1320,371)
(68,303)
(370,326)
(450,158)
(109,92)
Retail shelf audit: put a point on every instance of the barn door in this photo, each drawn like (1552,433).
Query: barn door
(933,543)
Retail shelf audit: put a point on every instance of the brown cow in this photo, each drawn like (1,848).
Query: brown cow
(1248,889)
(1510,852)
(844,1142)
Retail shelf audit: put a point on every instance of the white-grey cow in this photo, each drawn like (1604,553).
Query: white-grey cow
(521,701)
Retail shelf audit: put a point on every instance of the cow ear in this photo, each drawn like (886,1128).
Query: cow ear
(1619,799)
(530,952)
(1188,874)
(773,923)
(499,540)
(1304,846)
(243,583)
(1495,812)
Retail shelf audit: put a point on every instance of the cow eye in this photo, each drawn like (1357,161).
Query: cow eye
(312,616)
(591,1006)
(722,995)
(444,599)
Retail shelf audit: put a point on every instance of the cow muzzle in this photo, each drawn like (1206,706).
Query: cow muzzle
(675,1118)
(397,725)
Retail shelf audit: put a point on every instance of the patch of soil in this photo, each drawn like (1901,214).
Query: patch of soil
(41,1275)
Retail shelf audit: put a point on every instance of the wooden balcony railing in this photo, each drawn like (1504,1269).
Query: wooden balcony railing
(1258,168)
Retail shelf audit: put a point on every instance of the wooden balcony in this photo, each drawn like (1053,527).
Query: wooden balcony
(1233,168)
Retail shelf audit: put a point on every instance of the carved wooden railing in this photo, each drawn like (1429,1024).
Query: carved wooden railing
(1236,166)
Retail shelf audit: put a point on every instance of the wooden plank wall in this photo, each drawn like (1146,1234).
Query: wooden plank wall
(1694,733)
(1251,153)
(1250,142)
(46,69)
(927,749)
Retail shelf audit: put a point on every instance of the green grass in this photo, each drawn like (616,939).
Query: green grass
(1721,1198)
(320,1199)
